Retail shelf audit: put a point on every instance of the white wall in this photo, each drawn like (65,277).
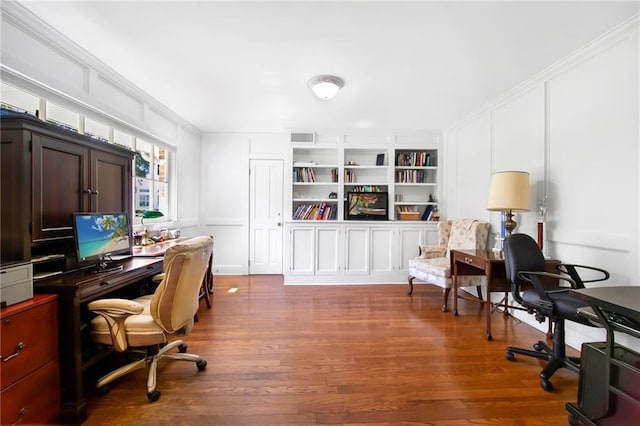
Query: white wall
(575,128)
(224,193)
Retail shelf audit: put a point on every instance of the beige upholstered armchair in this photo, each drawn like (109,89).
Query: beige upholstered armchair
(433,265)
(153,321)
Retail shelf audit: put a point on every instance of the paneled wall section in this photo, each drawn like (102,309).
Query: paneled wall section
(574,127)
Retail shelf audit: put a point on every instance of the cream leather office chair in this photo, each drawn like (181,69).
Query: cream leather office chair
(152,321)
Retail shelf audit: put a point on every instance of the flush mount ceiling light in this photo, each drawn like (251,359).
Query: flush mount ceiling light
(326,86)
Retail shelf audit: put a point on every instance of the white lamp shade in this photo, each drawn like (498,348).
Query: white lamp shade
(509,191)
(326,86)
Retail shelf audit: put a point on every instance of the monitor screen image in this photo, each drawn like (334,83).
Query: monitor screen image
(100,235)
(367,206)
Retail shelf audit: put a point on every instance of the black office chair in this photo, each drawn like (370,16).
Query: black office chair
(547,295)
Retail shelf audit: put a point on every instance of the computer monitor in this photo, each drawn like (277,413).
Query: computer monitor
(98,236)
(367,206)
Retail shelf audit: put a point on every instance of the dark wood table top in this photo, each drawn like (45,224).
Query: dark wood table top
(624,300)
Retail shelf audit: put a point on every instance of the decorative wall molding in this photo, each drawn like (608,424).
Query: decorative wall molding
(40,31)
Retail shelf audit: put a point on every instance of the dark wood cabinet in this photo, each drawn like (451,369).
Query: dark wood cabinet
(15,194)
(48,173)
(60,176)
(111,182)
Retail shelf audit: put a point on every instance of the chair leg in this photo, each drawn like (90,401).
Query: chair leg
(410,278)
(556,356)
(445,298)
(117,373)
(479,291)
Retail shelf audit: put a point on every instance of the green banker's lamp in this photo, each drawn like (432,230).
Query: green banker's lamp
(148,214)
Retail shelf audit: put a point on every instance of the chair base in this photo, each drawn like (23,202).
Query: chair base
(554,355)
(150,361)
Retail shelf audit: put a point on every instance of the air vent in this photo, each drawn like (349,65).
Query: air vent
(309,137)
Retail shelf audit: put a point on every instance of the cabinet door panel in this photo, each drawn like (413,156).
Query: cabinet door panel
(327,251)
(15,193)
(381,250)
(60,182)
(111,179)
(357,251)
(410,239)
(302,251)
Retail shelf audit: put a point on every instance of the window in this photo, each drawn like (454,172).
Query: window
(62,117)
(152,177)
(123,139)
(16,99)
(96,130)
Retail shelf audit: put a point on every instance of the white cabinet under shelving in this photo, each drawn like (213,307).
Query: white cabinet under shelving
(353,252)
(315,250)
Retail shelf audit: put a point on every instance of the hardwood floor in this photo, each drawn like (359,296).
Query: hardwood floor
(356,355)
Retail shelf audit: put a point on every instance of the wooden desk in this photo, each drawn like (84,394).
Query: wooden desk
(75,290)
(155,249)
(490,264)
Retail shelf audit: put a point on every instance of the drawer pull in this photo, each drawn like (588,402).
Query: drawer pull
(468,260)
(23,411)
(19,348)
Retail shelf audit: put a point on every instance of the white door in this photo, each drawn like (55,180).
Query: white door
(265,220)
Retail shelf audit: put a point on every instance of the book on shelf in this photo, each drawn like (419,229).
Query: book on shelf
(304,174)
(315,211)
(366,188)
(320,213)
(428,212)
(413,159)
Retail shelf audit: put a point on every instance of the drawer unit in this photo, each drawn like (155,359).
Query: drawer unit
(29,371)
(16,283)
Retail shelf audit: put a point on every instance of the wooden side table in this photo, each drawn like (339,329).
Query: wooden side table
(490,264)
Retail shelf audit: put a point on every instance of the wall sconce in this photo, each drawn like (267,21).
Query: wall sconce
(326,86)
(509,192)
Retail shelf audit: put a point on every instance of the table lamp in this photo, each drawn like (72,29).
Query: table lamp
(509,192)
(148,214)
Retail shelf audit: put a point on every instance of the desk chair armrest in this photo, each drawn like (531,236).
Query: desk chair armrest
(115,312)
(573,271)
(533,277)
(116,307)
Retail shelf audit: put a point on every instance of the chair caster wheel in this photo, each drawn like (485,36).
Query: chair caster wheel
(153,396)
(182,348)
(538,347)
(102,391)
(202,364)
(546,385)
(510,356)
